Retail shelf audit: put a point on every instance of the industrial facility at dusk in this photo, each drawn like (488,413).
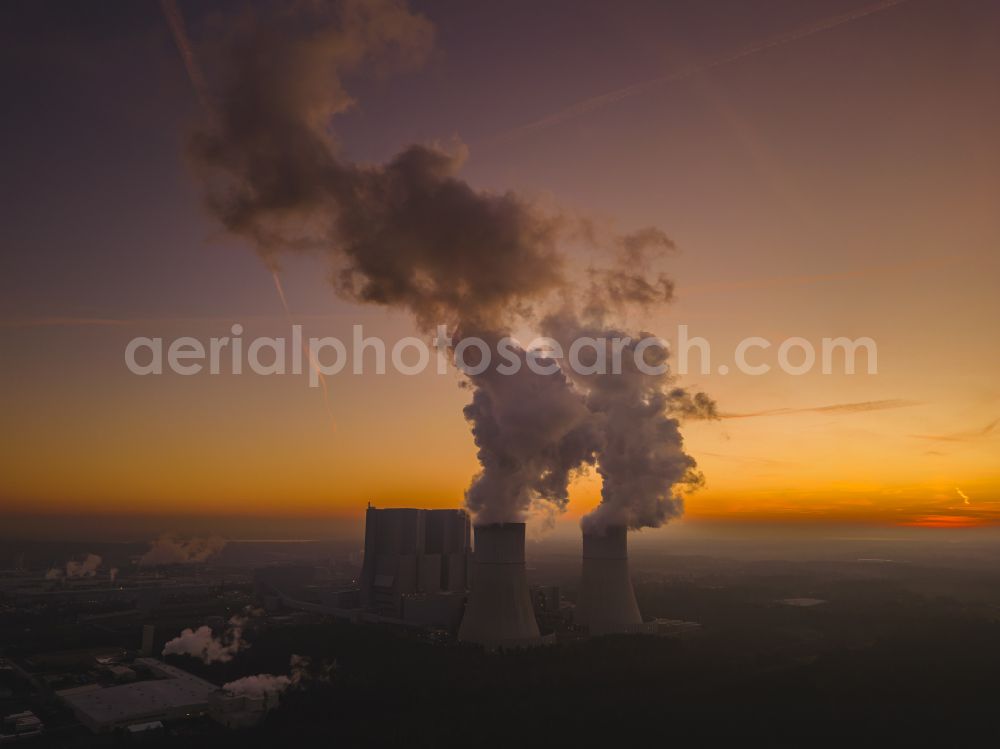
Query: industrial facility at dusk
(422,374)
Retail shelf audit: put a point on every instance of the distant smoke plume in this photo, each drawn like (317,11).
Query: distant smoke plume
(202,643)
(76,568)
(85,568)
(410,234)
(169,550)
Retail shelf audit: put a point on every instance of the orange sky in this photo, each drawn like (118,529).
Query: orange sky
(841,185)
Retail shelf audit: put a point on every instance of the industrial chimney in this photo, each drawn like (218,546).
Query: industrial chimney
(607,602)
(499,611)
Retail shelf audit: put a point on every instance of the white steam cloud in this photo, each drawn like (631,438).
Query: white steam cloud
(271,686)
(202,643)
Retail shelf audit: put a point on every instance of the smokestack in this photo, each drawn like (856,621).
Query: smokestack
(607,602)
(499,611)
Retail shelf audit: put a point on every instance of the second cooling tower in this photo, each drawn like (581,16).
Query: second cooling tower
(499,611)
(607,602)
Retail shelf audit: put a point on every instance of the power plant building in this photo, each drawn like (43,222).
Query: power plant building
(412,552)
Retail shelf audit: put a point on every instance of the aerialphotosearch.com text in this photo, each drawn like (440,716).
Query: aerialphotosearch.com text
(652,355)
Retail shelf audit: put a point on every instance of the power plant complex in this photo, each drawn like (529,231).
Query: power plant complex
(420,568)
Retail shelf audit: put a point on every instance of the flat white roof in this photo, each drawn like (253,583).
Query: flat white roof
(118,704)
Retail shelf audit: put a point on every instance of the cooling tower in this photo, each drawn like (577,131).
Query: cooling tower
(499,611)
(607,603)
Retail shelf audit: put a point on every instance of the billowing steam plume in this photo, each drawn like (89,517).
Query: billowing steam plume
(411,234)
(169,550)
(640,452)
(203,644)
(533,431)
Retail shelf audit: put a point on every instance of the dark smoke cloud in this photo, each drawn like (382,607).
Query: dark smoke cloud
(632,279)
(406,234)
(410,234)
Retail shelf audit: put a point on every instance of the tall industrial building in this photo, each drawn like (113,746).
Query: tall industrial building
(410,552)
(607,602)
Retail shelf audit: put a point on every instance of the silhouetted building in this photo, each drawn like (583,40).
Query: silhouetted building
(412,551)
(148,635)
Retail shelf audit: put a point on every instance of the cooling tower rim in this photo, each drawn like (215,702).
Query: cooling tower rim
(606,530)
(610,543)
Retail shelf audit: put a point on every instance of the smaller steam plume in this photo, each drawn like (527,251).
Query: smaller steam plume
(169,550)
(76,568)
(271,686)
(202,643)
(259,685)
(86,568)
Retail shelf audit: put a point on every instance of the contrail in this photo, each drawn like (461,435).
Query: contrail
(966,436)
(963,495)
(176,22)
(179,30)
(313,362)
(281,292)
(836,408)
(603,100)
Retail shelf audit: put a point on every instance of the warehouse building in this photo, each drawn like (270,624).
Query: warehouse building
(170,694)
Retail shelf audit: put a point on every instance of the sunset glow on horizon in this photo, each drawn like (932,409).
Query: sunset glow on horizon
(840,183)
